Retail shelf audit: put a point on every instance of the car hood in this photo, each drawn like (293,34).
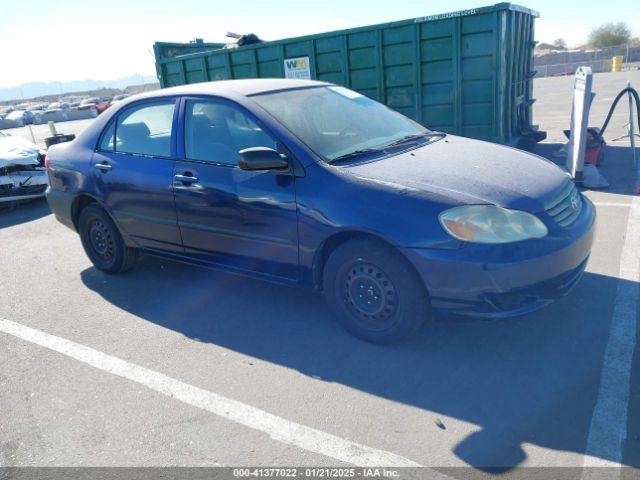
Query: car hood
(459,170)
(17,151)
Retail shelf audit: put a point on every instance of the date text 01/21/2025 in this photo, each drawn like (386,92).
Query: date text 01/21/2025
(320,472)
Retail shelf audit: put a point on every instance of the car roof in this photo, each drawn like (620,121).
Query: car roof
(246,87)
(222,88)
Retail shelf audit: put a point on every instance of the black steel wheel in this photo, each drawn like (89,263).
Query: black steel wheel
(102,241)
(374,291)
(370,295)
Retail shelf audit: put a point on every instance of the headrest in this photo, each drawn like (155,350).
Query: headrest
(133,131)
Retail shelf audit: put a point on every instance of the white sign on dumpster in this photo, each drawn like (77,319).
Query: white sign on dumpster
(582,97)
(297,68)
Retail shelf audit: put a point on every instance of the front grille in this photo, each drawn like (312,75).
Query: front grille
(565,207)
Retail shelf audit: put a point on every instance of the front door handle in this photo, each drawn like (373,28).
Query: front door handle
(105,167)
(186,179)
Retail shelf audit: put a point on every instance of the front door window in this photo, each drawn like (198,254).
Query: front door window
(215,132)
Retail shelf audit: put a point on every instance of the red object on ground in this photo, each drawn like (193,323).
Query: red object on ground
(594,151)
(591,155)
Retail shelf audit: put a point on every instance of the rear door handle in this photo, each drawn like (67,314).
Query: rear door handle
(186,178)
(105,167)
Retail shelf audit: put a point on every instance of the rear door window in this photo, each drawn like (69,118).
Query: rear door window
(146,130)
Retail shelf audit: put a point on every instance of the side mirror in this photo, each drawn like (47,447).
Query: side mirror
(261,158)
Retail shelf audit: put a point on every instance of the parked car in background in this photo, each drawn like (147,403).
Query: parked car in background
(29,116)
(308,183)
(94,102)
(17,117)
(22,173)
(55,106)
(119,98)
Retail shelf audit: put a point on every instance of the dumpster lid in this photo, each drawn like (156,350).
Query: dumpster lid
(476,11)
(397,23)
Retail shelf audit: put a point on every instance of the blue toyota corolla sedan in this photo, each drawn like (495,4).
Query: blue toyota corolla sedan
(309,183)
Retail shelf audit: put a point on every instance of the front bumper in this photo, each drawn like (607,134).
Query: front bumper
(22,185)
(506,280)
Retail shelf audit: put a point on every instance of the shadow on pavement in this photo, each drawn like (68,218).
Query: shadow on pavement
(532,379)
(27,211)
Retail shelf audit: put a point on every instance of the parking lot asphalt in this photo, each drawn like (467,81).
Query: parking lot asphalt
(552,108)
(174,365)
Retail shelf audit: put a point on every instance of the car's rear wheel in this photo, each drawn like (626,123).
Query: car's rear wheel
(375,292)
(102,241)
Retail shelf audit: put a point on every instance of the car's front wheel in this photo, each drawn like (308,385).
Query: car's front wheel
(374,291)
(102,241)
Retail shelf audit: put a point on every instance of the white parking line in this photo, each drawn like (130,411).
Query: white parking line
(276,427)
(608,427)
(613,204)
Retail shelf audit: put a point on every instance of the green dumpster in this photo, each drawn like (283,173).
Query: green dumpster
(166,50)
(467,73)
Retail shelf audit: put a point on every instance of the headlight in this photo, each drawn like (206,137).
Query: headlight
(491,224)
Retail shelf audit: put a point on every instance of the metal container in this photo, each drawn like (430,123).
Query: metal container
(467,72)
(59,138)
(616,63)
(164,50)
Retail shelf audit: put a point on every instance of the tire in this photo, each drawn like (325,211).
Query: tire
(393,303)
(103,242)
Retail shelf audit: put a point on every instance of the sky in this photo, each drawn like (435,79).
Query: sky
(65,40)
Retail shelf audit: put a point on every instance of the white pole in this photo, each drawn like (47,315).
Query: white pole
(33,137)
(582,97)
(632,129)
(52,128)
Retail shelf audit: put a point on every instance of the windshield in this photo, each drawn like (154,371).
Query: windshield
(336,122)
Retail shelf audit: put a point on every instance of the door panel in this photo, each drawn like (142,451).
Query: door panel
(231,217)
(133,171)
(137,191)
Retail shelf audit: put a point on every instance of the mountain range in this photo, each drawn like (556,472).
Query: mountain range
(37,89)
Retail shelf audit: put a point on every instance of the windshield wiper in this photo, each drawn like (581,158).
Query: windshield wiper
(356,153)
(415,137)
(402,141)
